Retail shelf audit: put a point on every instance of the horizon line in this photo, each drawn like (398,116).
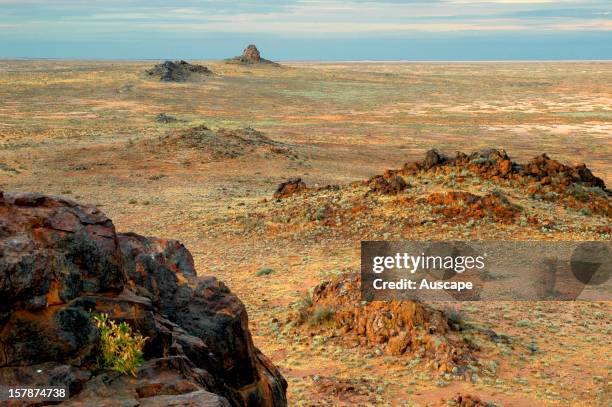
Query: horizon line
(289,61)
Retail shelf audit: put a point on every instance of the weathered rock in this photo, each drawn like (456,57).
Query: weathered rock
(398,327)
(387,185)
(250,56)
(177,71)
(290,187)
(547,179)
(60,261)
(433,158)
(460,206)
(542,167)
(469,400)
(198,398)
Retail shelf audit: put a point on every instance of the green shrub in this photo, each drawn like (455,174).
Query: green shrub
(264,272)
(523,323)
(303,308)
(120,347)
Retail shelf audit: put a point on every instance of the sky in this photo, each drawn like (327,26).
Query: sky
(416,30)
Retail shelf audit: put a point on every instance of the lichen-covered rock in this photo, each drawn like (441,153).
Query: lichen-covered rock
(61,261)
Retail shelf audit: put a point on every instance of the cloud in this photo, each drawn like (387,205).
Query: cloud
(65,18)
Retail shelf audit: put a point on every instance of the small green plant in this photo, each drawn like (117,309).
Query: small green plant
(120,347)
(523,323)
(264,272)
(456,318)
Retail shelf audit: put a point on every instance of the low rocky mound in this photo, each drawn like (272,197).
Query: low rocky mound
(178,71)
(496,165)
(393,327)
(215,145)
(251,56)
(61,261)
(546,179)
(465,193)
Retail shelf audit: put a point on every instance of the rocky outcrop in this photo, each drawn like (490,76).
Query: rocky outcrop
(394,327)
(290,187)
(61,261)
(251,56)
(387,184)
(177,71)
(544,179)
(495,164)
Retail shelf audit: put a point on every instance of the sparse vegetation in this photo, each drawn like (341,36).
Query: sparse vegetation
(266,271)
(120,347)
(320,316)
(346,123)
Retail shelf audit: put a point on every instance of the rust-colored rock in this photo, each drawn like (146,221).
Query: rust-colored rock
(290,187)
(388,184)
(469,400)
(60,261)
(541,178)
(461,206)
(398,327)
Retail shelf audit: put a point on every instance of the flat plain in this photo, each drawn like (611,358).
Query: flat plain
(88,130)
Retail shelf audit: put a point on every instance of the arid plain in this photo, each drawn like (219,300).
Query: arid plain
(90,131)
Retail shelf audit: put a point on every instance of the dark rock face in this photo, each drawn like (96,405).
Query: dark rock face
(59,261)
(290,187)
(250,56)
(177,71)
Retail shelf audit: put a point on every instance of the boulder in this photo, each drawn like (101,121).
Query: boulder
(61,261)
(387,185)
